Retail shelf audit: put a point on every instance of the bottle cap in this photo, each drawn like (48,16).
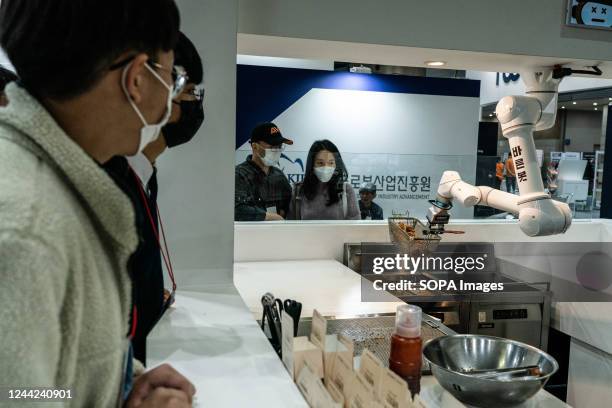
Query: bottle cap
(408,321)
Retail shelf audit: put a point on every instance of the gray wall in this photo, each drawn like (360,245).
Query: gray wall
(496,26)
(583,128)
(196,180)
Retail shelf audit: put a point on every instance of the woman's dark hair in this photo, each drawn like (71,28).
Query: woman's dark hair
(6,76)
(62,48)
(311,182)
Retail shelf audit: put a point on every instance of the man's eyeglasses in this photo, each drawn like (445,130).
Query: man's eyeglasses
(197,92)
(193,93)
(179,75)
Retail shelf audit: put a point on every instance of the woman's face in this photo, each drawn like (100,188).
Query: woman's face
(325,158)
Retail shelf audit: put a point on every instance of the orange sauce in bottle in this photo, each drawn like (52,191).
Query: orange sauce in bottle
(405,358)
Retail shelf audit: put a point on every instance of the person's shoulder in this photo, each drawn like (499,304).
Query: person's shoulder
(276,171)
(244,168)
(19,191)
(278,174)
(297,188)
(349,188)
(36,202)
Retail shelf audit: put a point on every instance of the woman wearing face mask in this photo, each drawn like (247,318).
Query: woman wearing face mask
(324,194)
(137,177)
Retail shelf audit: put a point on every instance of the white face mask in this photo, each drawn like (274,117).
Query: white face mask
(325,173)
(271,157)
(149,133)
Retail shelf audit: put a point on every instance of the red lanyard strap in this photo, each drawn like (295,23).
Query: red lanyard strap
(171,269)
(134,321)
(166,255)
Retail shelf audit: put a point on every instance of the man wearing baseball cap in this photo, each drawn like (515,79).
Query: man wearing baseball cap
(262,192)
(368,208)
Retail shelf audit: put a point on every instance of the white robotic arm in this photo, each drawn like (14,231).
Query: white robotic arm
(519,116)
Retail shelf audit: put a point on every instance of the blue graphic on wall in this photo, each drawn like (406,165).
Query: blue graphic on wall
(263,93)
(297,161)
(293,169)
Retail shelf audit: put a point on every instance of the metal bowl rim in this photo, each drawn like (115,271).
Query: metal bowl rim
(538,379)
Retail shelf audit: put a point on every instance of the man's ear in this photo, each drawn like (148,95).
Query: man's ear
(134,77)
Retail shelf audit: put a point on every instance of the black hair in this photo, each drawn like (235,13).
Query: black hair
(186,55)
(6,76)
(62,48)
(335,185)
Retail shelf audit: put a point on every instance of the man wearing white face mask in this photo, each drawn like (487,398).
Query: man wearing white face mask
(262,189)
(150,132)
(100,71)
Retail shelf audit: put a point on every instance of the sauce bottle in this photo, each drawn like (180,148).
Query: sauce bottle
(406,346)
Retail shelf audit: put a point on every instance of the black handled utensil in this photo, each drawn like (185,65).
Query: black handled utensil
(294,309)
(270,312)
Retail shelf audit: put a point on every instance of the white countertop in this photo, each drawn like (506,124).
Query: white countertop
(588,322)
(212,338)
(325,285)
(335,290)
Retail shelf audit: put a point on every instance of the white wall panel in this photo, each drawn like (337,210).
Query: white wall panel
(196,180)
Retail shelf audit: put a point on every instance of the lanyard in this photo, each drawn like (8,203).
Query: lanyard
(163,250)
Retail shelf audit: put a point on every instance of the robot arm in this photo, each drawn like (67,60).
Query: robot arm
(519,116)
(452,189)
(535,218)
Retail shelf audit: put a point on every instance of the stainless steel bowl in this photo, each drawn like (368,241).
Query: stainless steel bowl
(449,356)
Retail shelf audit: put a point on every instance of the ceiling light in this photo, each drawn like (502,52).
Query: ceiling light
(563,107)
(595,108)
(573,103)
(594,103)
(490,115)
(435,63)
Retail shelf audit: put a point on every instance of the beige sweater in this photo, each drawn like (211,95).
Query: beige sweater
(66,233)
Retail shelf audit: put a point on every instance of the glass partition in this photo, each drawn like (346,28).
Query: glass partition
(404,182)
